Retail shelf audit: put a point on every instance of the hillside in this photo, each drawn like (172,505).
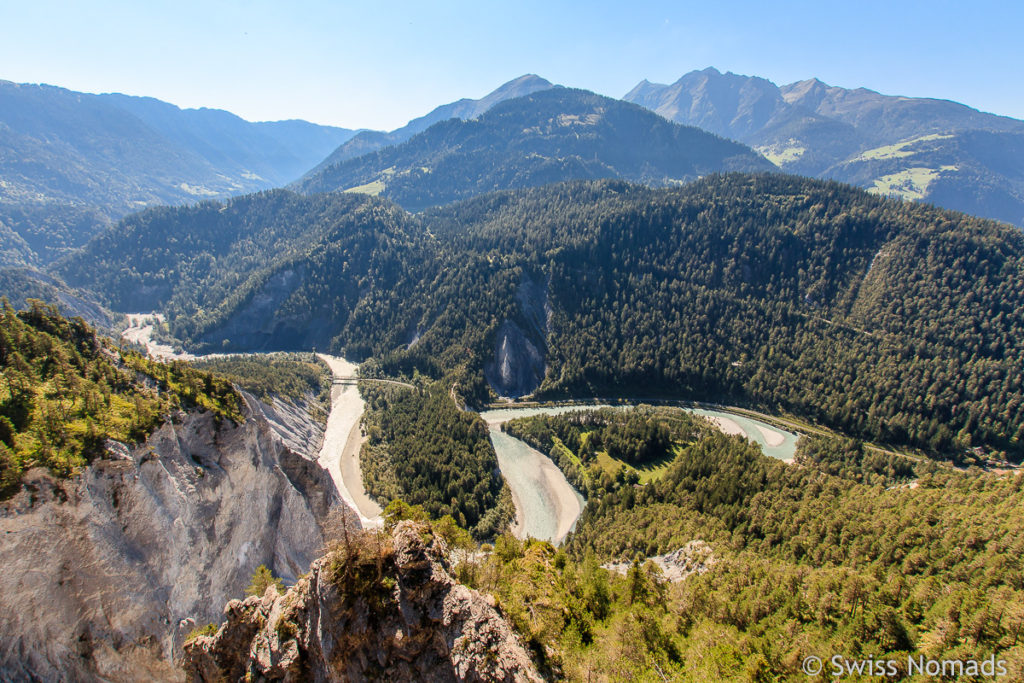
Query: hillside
(72,162)
(732,566)
(926,149)
(368,141)
(885,319)
(549,136)
(226,266)
(68,391)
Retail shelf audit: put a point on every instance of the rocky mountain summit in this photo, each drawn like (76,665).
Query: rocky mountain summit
(934,150)
(378,606)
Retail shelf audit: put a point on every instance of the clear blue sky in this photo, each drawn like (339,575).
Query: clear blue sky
(378,63)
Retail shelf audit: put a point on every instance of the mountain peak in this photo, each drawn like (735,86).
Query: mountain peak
(728,104)
(465,109)
(517,87)
(642,90)
(548,136)
(807,93)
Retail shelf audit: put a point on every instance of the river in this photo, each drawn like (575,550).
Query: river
(339,454)
(547,506)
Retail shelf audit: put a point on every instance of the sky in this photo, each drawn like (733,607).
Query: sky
(378,64)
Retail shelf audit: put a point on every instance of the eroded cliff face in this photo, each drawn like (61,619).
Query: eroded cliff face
(518,366)
(104,574)
(378,607)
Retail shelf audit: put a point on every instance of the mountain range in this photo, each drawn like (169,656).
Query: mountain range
(549,136)
(70,163)
(777,291)
(925,149)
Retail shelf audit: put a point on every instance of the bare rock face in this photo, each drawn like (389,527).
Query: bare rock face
(104,574)
(379,607)
(518,365)
(696,557)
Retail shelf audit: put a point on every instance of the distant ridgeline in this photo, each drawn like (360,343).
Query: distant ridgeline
(72,162)
(889,320)
(546,137)
(937,151)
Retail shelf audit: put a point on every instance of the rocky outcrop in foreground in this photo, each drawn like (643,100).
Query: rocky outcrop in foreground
(106,573)
(377,607)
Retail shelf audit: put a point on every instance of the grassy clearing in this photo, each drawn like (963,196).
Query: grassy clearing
(898,150)
(911,183)
(647,472)
(373,188)
(782,154)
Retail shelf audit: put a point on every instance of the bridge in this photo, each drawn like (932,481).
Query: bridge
(356,380)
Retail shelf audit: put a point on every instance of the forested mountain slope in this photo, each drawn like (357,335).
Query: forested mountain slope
(298,265)
(886,319)
(940,151)
(72,162)
(767,564)
(549,136)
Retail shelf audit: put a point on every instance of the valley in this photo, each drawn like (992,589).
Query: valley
(339,453)
(543,385)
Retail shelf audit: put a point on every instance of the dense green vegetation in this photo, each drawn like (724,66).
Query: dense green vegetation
(889,321)
(422,449)
(632,439)
(549,136)
(295,376)
(851,459)
(808,297)
(203,263)
(801,563)
(65,392)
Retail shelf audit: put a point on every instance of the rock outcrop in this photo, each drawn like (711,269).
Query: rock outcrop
(377,607)
(518,365)
(696,557)
(105,574)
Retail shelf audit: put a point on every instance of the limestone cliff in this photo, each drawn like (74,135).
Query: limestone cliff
(104,574)
(518,366)
(377,607)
